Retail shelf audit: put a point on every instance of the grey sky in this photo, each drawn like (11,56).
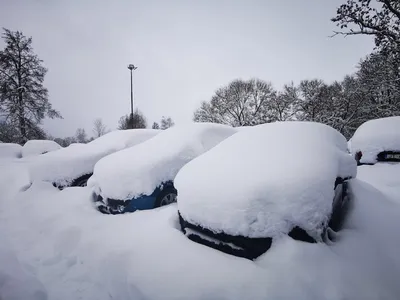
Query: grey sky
(184,51)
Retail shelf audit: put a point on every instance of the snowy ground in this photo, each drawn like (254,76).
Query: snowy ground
(54,245)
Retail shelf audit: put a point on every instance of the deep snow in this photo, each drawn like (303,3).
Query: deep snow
(375,136)
(59,247)
(264,181)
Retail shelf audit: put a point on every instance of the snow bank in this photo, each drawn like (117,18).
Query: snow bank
(78,253)
(15,282)
(264,181)
(141,169)
(375,136)
(9,151)
(384,176)
(65,165)
(37,147)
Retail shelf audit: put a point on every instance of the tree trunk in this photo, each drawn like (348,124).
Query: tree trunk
(21,117)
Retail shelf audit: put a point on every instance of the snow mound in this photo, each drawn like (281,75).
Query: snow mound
(9,150)
(69,247)
(37,147)
(375,136)
(62,167)
(263,182)
(139,170)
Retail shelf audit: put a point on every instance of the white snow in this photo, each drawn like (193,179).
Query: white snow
(59,247)
(65,165)
(141,169)
(55,245)
(264,181)
(375,136)
(15,282)
(10,151)
(37,147)
(385,176)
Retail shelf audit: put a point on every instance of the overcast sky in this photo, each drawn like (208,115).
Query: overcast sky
(184,51)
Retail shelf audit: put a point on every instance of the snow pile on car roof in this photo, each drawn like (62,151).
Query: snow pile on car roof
(139,170)
(37,147)
(376,136)
(10,150)
(263,182)
(63,166)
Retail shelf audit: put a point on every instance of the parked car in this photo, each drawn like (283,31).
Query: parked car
(73,165)
(377,141)
(38,147)
(143,177)
(283,178)
(10,151)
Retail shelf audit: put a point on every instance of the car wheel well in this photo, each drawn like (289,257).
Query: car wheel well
(82,180)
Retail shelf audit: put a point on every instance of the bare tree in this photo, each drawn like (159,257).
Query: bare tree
(99,128)
(81,136)
(23,98)
(138,120)
(283,106)
(238,104)
(379,18)
(166,122)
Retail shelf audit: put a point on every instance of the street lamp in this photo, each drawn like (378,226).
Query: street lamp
(132,68)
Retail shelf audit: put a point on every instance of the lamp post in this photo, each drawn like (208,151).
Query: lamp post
(132,68)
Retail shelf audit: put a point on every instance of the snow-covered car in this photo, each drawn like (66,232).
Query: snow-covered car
(142,177)
(10,150)
(37,147)
(283,178)
(73,165)
(377,141)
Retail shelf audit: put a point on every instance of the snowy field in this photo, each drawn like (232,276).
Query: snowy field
(55,245)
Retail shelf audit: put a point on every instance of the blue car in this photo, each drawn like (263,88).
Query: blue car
(163,195)
(142,177)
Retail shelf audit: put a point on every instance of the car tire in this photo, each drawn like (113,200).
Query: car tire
(167,196)
(81,181)
(340,210)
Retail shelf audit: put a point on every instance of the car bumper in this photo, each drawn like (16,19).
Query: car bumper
(113,206)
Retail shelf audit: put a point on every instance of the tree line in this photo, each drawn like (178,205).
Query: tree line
(372,92)
(99,129)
